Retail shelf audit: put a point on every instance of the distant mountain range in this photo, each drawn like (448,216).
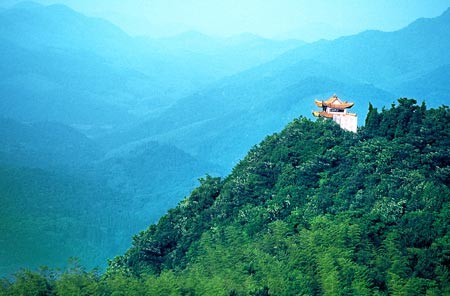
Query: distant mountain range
(45,145)
(373,66)
(60,65)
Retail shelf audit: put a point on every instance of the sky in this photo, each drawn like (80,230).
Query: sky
(280,19)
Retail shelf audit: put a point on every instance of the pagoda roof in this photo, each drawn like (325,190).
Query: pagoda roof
(330,115)
(322,114)
(334,102)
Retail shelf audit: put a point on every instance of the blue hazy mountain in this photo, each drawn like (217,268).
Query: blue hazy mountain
(155,175)
(57,85)
(433,85)
(60,65)
(383,57)
(233,54)
(46,145)
(221,122)
(36,26)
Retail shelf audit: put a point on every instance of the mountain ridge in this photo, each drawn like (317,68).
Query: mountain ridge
(299,183)
(157,74)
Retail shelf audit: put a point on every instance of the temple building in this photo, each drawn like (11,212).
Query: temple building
(336,109)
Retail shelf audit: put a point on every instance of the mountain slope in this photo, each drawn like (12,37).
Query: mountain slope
(57,26)
(60,61)
(48,217)
(313,210)
(65,86)
(154,176)
(380,57)
(234,54)
(433,85)
(92,60)
(45,145)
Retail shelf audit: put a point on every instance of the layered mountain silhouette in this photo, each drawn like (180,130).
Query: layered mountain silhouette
(372,66)
(61,65)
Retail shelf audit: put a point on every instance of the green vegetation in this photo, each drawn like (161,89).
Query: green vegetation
(47,217)
(312,210)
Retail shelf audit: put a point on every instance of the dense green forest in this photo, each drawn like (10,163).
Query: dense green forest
(312,210)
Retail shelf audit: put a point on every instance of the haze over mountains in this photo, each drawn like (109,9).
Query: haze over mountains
(369,67)
(81,102)
(97,66)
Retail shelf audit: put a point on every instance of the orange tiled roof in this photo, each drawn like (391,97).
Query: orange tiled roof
(334,102)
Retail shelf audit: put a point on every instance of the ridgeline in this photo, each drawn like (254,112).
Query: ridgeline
(312,210)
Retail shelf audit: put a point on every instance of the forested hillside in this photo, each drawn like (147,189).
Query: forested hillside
(312,210)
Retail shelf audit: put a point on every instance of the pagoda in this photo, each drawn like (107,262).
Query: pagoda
(336,109)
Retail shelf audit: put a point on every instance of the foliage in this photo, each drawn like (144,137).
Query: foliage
(313,210)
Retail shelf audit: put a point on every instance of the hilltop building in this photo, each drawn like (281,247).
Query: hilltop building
(336,109)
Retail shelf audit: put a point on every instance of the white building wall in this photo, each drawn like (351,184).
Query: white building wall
(347,122)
